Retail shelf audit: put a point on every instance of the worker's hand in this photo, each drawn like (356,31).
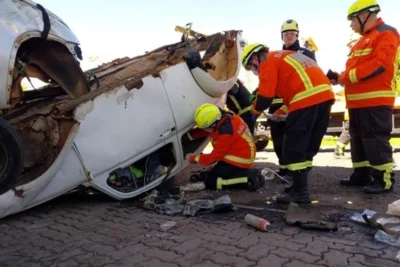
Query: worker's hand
(334,82)
(187,157)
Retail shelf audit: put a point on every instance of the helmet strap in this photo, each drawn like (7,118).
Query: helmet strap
(362,24)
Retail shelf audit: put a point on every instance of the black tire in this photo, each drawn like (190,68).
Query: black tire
(11,156)
(261,144)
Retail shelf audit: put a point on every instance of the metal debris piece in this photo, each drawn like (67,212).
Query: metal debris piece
(167,225)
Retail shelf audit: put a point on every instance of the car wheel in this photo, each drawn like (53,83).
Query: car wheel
(11,156)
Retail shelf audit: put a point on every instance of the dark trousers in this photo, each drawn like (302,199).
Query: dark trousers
(370,132)
(277,130)
(304,131)
(226,176)
(249,120)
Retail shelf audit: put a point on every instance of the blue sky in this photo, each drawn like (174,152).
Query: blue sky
(118,28)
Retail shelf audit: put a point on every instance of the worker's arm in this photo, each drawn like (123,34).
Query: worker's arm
(268,81)
(197,134)
(384,55)
(222,145)
(283,110)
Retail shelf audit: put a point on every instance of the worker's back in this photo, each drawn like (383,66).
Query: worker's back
(296,78)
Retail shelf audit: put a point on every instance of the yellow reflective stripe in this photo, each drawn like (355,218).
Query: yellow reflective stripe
(371,95)
(232,181)
(297,166)
(235,102)
(244,110)
(363,52)
(346,115)
(309,163)
(384,167)
(387,179)
(361,164)
(277,101)
(253,110)
(316,90)
(250,160)
(197,158)
(284,109)
(300,71)
(353,76)
(396,73)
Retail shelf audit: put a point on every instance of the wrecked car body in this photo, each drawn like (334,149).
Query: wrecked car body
(118,128)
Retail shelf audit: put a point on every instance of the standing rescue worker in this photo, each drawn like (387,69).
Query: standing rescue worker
(369,89)
(238,101)
(233,150)
(306,92)
(290,37)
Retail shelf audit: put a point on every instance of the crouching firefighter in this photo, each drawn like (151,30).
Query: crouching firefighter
(238,101)
(233,150)
(306,93)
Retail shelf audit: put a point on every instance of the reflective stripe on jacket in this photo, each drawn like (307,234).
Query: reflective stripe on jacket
(294,77)
(369,78)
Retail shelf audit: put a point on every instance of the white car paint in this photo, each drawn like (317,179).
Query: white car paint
(116,128)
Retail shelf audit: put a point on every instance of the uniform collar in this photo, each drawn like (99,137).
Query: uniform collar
(293,47)
(378,23)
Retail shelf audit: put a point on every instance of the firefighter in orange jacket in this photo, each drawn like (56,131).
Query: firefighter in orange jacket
(369,81)
(233,150)
(306,92)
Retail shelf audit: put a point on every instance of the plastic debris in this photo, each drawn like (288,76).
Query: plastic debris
(193,187)
(314,201)
(257,222)
(394,208)
(393,240)
(349,202)
(358,217)
(167,225)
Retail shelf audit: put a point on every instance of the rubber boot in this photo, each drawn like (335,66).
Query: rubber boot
(379,185)
(261,178)
(360,177)
(299,193)
(253,182)
(287,189)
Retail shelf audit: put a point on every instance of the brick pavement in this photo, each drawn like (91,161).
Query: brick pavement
(107,233)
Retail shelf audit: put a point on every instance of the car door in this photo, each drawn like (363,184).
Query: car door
(118,125)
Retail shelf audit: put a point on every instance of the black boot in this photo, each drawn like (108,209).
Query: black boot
(379,185)
(299,193)
(287,189)
(253,182)
(360,177)
(261,178)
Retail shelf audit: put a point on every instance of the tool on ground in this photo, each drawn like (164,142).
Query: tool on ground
(276,174)
(257,222)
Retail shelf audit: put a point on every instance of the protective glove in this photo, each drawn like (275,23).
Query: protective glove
(252,96)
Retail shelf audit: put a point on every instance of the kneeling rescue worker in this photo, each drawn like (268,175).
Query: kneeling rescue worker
(306,92)
(233,150)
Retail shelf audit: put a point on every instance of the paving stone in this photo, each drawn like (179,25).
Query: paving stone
(228,260)
(230,250)
(193,257)
(257,252)
(302,256)
(297,263)
(189,245)
(335,258)
(272,261)
(316,248)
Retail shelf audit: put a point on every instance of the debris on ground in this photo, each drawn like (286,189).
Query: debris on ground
(193,187)
(358,217)
(174,205)
(167,225)
(390,224)
(392,240)
(296,216)
(394,208)
(257,222)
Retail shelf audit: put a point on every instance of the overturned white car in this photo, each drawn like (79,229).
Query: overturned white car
(129,114)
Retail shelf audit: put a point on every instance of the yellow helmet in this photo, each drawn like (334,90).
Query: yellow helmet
(290,25)
(362,5)
(249,50)
(206,115)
